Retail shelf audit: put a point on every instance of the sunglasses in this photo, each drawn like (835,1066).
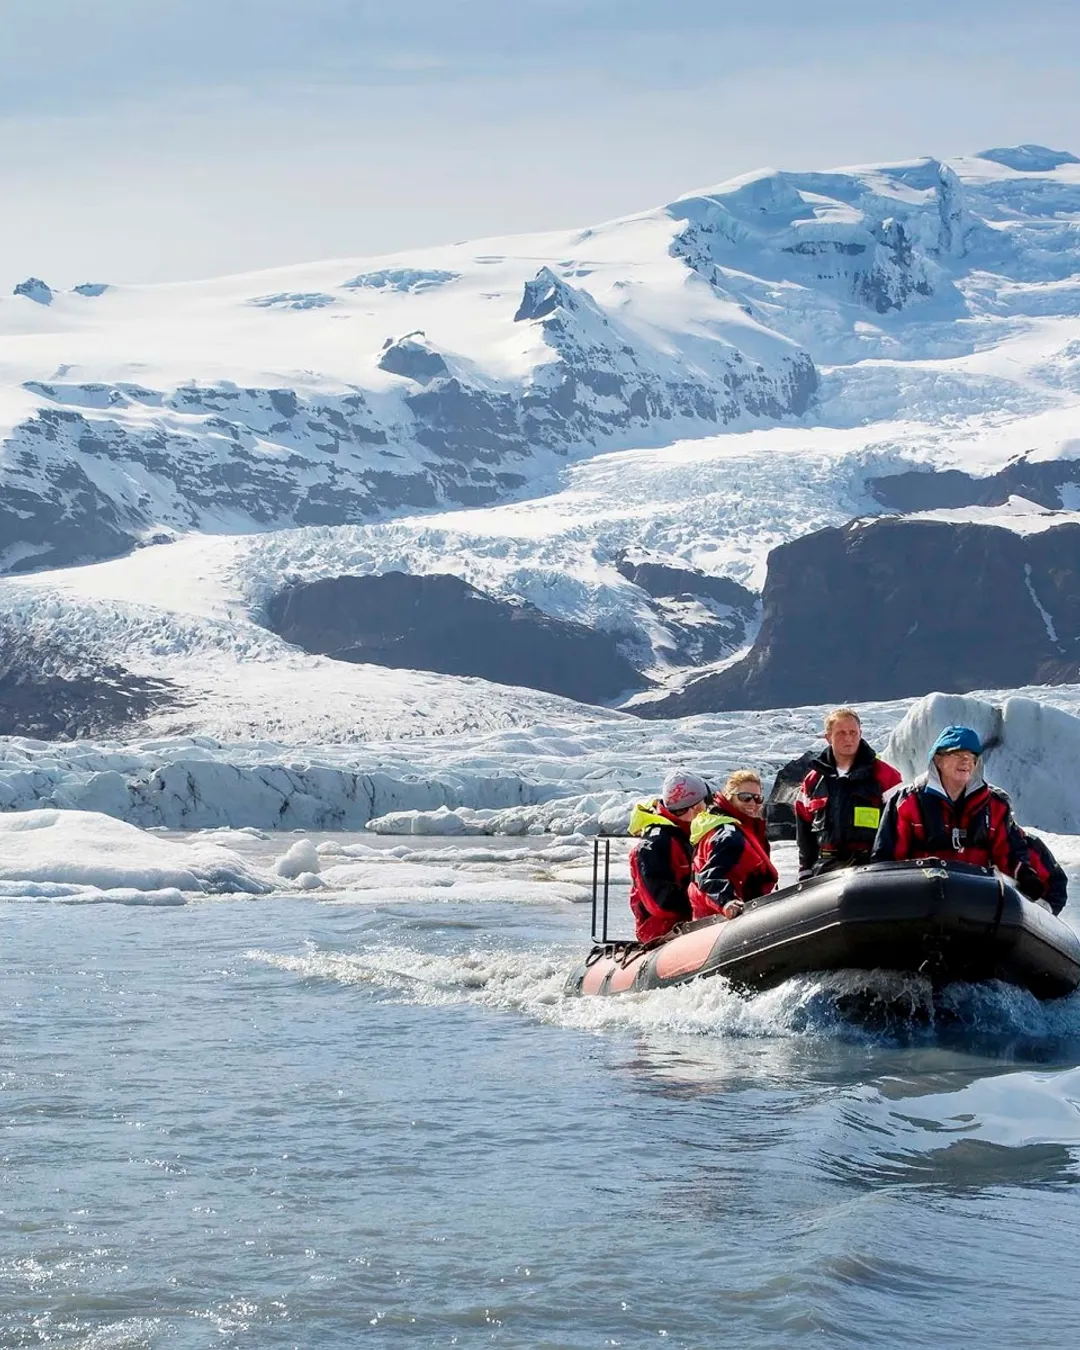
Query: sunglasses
(749,797)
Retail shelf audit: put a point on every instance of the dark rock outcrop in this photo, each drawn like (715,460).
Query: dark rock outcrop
(705,617)
(1039,481)
(35,289)
(441,623)
(780,808)
(660,580)
(413,357)
(891,608)
(53,694)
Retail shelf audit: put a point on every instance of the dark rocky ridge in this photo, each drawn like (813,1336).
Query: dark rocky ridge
(706,617)
(891,608)
(443,624)
(50,694)
(660,580)
(1039,481)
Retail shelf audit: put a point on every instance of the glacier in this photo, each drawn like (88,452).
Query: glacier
(690,386)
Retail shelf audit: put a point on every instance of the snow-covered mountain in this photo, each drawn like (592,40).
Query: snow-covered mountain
(343,395)
(345,391)
(686,388)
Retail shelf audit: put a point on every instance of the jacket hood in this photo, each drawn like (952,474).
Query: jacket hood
(931,780)
(719,812)
(647,814)
(711,819)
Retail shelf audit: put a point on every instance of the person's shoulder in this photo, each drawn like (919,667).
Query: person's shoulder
(902,792)
(887,774)
(646,821)
(659,829)
(725,829)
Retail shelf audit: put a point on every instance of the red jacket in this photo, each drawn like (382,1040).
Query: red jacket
(920,821)
(659,871)
(837,815)
(731,859)
(1043,877)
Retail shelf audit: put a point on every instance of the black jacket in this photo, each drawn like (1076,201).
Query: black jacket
(836,816)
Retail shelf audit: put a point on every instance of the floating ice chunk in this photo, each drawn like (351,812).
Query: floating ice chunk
(407,878)
(63,894)
(303,856)
(1032,750)
(87,856)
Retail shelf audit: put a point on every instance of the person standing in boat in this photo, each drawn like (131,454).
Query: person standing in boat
(660,863)
(838,809)
(731,852)
(951,813)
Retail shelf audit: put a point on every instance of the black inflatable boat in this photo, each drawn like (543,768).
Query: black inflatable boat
(946,921)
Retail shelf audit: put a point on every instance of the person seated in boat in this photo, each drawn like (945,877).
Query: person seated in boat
(731,853)
(660,864)
(951,813)
(838,809)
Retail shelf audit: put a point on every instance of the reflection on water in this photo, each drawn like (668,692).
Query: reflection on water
(976,1164)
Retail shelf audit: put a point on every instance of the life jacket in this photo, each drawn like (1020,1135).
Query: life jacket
(660,867)
(645,814)
(958,830)
(731,859)
(921,821)
(837,815)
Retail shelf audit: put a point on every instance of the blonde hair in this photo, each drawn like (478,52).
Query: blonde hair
(738,778)
(837,715)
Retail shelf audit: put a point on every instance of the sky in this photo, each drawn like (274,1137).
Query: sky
(162,140)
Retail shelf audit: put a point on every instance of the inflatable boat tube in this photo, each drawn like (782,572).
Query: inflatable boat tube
(947,921)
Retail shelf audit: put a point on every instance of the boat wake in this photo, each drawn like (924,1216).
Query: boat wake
(875,1007)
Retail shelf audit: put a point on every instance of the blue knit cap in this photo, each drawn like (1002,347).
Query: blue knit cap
(956,738)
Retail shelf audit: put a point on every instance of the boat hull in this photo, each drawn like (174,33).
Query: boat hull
(947,922)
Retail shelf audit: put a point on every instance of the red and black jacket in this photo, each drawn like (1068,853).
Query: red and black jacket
(921,821)
(659,871)
(837,815)
(1042,877)
(731,859)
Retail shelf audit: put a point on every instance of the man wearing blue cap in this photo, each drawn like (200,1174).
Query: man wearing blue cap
(949,812)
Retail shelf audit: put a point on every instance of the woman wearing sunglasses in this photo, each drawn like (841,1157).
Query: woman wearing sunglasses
(731,853)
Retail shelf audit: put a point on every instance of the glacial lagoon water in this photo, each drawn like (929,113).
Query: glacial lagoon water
(286,1122)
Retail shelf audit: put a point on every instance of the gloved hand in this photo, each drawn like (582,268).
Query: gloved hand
(733,909)
(1028,883)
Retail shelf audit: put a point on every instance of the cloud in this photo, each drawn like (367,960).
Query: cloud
(148,142)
